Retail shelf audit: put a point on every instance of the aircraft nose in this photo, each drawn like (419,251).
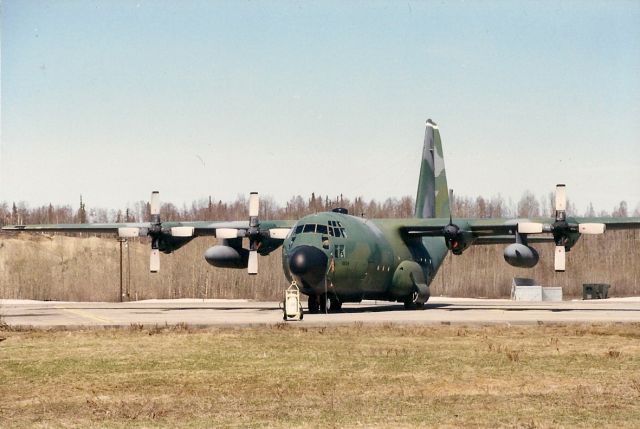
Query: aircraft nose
(309,263)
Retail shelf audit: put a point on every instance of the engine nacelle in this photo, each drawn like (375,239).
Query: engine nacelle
(521,256)
(227,257)
(168,243)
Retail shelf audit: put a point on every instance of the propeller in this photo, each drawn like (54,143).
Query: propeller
(161,239)
(253,233)
(155,229)
(561,229)
(451,233)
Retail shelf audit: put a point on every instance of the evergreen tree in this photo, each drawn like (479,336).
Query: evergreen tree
(82,213)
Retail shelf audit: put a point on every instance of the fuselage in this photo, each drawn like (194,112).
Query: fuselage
(354,258)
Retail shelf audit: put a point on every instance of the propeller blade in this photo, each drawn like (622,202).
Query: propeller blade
(154,261)
(226,233)
(252,266)
(254,204)
(127,232)
(182,231)
(591,228)
(529,228)
(155,203)
(561,198)
(559,259)
(279,233)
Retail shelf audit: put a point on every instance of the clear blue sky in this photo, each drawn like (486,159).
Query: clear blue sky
(113,99)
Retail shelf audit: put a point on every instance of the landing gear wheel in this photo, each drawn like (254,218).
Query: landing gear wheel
(411,302)
(335,305)
(313,305)
(323,302)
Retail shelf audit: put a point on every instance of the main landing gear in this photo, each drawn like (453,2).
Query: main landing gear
(318,304)
(416,300)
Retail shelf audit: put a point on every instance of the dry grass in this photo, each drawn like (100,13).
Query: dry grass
(391,376)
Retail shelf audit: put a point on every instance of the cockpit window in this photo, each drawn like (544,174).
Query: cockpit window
(321,229)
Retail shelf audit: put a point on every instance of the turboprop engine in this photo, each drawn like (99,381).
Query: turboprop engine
(520,255)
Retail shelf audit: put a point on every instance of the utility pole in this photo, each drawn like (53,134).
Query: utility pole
(121,240)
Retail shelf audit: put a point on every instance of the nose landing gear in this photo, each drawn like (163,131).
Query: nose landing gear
(318,304)
(314,304)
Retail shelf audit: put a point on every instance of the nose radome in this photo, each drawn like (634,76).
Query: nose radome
(309,263)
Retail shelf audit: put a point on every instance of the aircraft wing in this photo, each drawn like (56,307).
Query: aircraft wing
(275,229)
(167,237)
(193,229)
(612,223)
(125,229)
(478,228)
(496,231)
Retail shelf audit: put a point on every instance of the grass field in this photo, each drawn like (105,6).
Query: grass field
(282,376)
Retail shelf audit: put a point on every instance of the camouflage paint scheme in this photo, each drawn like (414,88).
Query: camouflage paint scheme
(383,259)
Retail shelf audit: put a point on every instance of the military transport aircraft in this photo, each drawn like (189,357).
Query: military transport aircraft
(339,258)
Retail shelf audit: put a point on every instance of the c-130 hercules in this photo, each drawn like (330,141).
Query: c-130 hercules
(339,258)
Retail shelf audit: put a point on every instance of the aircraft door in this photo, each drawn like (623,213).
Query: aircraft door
(339,272)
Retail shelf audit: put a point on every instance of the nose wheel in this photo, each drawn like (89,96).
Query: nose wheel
(312,305)
(318,304)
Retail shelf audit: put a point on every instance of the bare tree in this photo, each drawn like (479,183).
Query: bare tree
(528,205)
(621,210)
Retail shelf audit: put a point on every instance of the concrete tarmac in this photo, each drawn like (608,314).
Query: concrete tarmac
(238,313)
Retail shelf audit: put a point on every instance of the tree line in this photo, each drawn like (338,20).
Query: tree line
(211,209)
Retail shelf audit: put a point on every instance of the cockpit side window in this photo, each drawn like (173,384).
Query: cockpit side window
(299,229)
(310,227)
(339,232)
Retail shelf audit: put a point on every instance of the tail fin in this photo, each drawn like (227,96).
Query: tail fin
(433,193)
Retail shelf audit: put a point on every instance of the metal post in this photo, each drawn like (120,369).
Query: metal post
(120,240)
(128,291)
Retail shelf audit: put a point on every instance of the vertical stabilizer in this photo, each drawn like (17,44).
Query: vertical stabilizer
(433,193)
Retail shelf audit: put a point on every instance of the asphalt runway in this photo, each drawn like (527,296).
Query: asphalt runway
(238,313)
